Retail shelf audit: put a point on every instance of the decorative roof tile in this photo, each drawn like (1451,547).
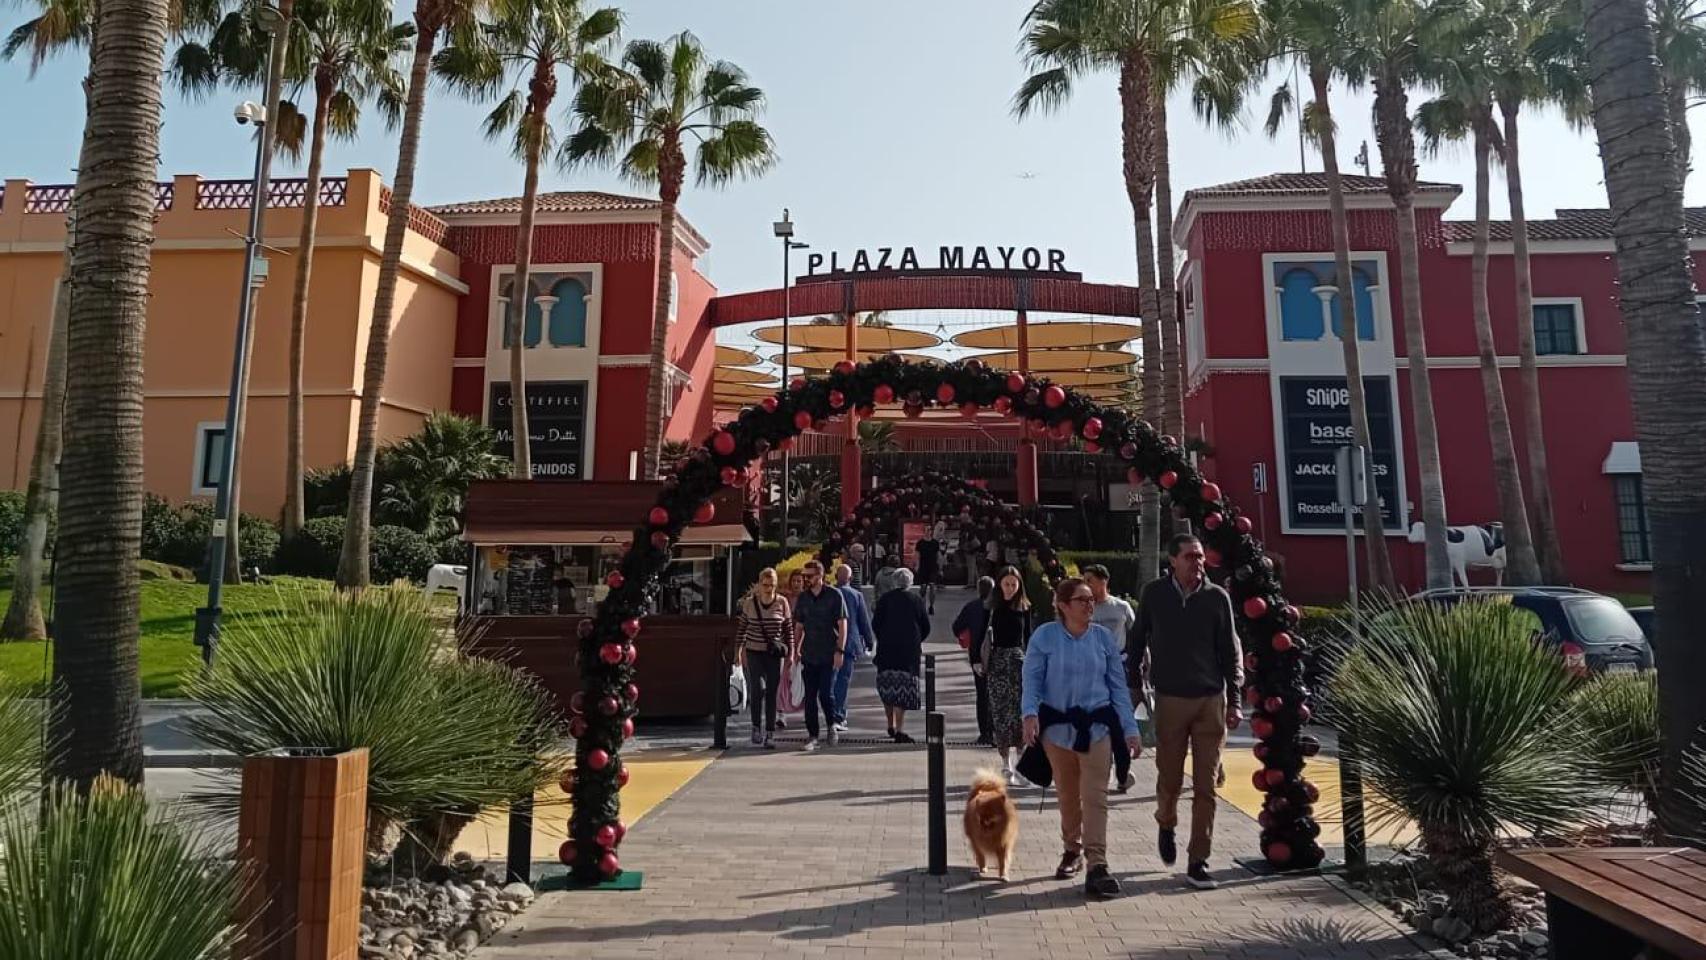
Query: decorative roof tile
(564,201)
(1571,223)
(1303,184)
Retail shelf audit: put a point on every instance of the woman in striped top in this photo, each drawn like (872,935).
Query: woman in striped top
(766,632)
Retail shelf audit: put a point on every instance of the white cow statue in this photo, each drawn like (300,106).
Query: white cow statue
(448,576)
(1482,545)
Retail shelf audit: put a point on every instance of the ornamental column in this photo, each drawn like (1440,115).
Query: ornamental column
(1025,467)
(851,466)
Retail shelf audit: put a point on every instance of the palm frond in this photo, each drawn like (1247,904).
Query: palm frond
(1281,104)
(741,148)
(290,130)
(1046,91)
(1441,121)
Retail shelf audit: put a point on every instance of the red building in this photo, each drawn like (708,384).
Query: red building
(1266,371)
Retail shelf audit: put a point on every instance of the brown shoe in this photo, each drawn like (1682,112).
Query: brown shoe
(1070,863)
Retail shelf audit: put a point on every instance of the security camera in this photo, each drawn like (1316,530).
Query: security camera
(249,112)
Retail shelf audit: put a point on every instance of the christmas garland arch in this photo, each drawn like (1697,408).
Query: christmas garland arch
(602,713)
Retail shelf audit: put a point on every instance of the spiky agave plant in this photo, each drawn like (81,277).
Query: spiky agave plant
(101,877)
(1621,712)
(1466,727)
(20,744)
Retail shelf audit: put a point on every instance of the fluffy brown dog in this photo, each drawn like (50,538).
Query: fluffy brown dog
(992,823)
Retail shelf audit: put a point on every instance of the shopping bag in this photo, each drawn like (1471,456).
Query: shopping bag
(792,697)
(737,690)
(1146,716)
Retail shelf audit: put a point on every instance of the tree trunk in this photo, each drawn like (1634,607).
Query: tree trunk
(1667,366)
(1137,135)
(352,563)
(24,619)
(1676,108)
(1522,569)
(1542,522)
(521,466)
(295,514)
(1172,331)
(1398,158)
(671,173)
(1373,524)
(97,690)
(1464,869)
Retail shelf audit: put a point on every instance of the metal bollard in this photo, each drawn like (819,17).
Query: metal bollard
(1350,799)
(720,731)
(935,737)
(929,681)
(520,866)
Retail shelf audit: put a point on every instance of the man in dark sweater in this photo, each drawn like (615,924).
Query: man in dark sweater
(1185,624)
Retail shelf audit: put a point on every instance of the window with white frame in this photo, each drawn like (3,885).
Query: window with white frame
(556,309)
(209,467)
(1634,537)
(1307,294)
(1558,328)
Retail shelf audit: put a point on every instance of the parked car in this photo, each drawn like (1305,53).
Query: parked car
(1592,632)
(1649,625)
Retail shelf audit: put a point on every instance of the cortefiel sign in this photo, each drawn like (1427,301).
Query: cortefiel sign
(1315,422)
(948,259)
(556,427)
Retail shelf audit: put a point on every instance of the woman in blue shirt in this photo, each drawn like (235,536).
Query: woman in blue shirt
(1076,701)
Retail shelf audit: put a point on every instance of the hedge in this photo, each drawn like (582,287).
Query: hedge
(11,522)
(397,553)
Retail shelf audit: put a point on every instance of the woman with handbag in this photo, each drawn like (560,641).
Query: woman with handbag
(1001,659)
(766,630)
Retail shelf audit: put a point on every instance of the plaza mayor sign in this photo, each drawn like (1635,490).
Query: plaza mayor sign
(948,258)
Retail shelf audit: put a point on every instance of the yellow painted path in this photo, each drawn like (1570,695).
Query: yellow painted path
(655,775)
(1241,765)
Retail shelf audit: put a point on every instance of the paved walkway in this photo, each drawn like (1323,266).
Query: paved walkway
(788,854)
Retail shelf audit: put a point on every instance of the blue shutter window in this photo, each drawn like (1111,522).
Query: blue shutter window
(568,315)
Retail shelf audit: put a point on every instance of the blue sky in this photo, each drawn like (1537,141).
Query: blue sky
(892,119)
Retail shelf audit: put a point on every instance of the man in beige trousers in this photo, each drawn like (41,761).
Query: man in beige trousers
(1185,625)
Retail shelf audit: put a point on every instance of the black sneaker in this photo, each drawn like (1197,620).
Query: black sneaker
(900,737)
(1070,863)
(1168,847)
(1197,876)
(1099,884)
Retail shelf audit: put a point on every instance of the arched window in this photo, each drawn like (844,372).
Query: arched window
(559,321)
(1363,280)
(568,314)
(1300,308)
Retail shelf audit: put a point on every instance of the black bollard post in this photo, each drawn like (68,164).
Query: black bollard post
(935,737)
(521,840)
(1350,800)
(929,681)
(720,731)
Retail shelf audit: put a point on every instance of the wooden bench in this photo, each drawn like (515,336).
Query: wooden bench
(1613,903)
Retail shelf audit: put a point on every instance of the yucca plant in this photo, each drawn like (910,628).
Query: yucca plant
(101,877)
(445,736)
(1621,712)
(20,744)
(1466,727)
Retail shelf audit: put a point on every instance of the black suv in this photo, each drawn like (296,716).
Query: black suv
(1591,631)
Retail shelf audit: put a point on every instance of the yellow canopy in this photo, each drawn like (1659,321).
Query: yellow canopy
(743,393)
(1065,333)
(811,336)
(820,360)
(735,356)
(1086,378)
(1042,360)
(728,375)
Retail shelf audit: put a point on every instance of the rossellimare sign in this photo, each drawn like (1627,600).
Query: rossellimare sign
(888,259)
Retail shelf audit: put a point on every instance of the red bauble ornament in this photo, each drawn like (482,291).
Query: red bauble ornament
(1015,383)
(631,627)
(577,727)
(968,410)
(621,831)
(866,411)
(913,410)
(567,780)
(883,394)
(843,367)
(1134,476)
(1243,524)
(609,865)
(837,399)
(1291,614)
(1003,406)
(608,706)
(659,517)
(577,703)
(1275,777)
(1250,661)
(1063,430)
(797,384)
(627,728)
(1282,641)
(1128,450)
(1312,792)
(598,759)
(729,475)
(630,653)
(1255,608)
(1167,479)
(1279,853)
(769,404)
(1261,727)
(1252,695)
(1304,713)
(566,853)
(1258,780)
(704,512)
(1260,750)
(1092,428)
(1210,492)
(802,420)
(622,777)
(1212,521)
(1053,397)
(615,580)
(660,539)
(1265,820)
(606,836)
(1273,704)
(944,393)
(1168,441)
(1091,446)
(610,653)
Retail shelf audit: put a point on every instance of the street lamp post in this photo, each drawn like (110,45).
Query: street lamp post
(784,230)
(254,274)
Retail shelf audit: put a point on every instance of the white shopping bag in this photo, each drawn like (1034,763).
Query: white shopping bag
(792,697)
(737,690)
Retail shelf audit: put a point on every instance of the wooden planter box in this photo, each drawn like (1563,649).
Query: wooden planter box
(302,831)
(683,665)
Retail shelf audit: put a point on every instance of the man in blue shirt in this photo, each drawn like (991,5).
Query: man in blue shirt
(859,640)
(821,612)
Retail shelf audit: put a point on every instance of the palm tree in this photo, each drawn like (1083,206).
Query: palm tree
(663,96)
(877,436)
(98,718)
(424,477)
(1316,32)
(1534,53)
(432,17)
(1389,49)
(346,50)
(1680,35)
(1667,361)
(1458,64)
(537,38)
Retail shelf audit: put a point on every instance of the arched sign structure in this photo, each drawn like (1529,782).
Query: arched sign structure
(608,649)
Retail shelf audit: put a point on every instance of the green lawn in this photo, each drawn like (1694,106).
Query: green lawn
(168,629)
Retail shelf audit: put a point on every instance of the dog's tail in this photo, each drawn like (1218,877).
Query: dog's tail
(988,781)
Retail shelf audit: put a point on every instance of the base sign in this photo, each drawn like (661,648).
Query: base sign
(1315,422)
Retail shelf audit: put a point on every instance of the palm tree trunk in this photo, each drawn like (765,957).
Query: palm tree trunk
(352,563)
(1676,108)
(521,466)
(1667,366)
(1137,136)
(1464,868)
(1541,520)
(1522,569)
(670,179)
(97,689)
(24,619)
(1398,158)
(294,510)
(1172,331)
(1373,524)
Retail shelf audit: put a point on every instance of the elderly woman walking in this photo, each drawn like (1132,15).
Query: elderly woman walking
(901,624)
(1076,703)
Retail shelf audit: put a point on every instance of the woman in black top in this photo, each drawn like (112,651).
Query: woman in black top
(901,625)
(1003,663)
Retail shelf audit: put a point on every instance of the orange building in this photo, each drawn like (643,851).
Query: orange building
(588,331)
